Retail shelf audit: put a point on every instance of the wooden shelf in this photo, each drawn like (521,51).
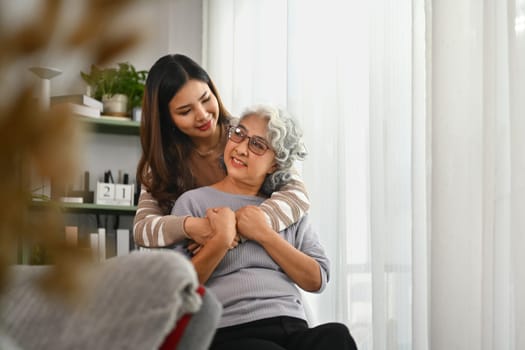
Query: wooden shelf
(112,126)
(91,208)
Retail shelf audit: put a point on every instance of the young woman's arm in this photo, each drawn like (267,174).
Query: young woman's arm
(286,206)
(210,255)
(153,228)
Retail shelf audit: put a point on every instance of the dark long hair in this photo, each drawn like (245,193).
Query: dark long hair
(163,166)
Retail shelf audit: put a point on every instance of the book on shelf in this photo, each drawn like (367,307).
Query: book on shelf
(122,241)
(93,243)
(115,117)
(80,110)
(72,199)
(102,244)
(79,99)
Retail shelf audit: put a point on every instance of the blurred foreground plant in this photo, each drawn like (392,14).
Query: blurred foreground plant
(47,141)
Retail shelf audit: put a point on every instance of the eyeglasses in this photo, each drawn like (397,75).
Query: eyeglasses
(256,144)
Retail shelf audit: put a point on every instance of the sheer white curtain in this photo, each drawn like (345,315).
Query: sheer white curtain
(346,70)
(478,168)
(413,116)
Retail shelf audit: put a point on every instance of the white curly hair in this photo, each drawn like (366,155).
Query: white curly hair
(285,137)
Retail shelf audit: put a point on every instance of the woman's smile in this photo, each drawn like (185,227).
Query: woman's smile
(205,126)
(236,163)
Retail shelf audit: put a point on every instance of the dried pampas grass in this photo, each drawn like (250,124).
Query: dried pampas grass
(46,142)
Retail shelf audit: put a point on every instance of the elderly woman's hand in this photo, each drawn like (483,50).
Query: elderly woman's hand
(251,222)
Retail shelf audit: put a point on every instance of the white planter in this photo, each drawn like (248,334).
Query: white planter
(116,105)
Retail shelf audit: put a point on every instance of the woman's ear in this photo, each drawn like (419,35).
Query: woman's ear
(273,168)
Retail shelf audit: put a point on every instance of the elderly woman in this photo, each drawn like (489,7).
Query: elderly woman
(256,282)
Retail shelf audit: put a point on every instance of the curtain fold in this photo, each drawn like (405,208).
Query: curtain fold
(514,138)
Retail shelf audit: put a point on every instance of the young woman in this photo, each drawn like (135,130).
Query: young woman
(183,134)
(257,281)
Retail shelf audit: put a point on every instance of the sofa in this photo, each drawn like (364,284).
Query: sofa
(144,300)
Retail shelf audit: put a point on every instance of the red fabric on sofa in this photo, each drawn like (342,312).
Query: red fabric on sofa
(173,338)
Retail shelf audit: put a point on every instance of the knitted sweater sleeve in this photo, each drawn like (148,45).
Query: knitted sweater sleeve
(152,228)
(286,206)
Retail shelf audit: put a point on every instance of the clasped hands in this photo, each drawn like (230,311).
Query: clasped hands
(224,226)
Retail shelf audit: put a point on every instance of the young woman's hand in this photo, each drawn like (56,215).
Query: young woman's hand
(199,229)
(222,221)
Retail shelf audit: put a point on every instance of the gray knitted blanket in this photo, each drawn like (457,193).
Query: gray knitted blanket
(134,302)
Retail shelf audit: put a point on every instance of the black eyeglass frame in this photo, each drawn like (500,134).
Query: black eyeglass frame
(253,141)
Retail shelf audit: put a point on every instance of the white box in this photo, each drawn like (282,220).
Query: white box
(93,243)
(105,193)
(124,194)
(122,241)
(114,194)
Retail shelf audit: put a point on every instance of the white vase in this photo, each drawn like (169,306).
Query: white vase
(116,105)
(44,91)
(41,186)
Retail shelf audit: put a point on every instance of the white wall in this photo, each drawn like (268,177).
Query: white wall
(165,26)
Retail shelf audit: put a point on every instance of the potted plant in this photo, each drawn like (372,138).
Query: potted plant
(120,89)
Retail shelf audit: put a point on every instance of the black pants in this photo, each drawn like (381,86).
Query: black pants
(280,333)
